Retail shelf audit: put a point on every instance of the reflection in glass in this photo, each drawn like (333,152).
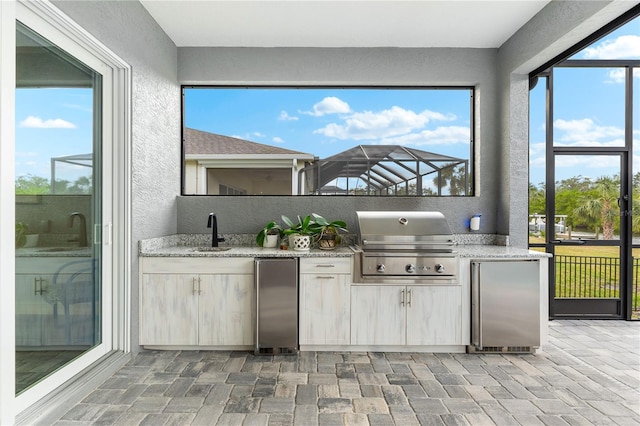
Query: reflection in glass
(57,205)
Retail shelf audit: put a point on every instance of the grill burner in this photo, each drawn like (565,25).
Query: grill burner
(404,247)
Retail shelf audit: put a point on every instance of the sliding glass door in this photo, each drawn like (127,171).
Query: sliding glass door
(59,208)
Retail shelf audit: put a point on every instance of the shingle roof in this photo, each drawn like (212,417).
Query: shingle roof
(197,142)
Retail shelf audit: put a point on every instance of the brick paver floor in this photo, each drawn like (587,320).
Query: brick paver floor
(589,374)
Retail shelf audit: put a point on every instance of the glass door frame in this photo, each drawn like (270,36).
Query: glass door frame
(47,20)
(625,153)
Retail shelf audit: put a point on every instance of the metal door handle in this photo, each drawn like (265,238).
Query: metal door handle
(199,285)
(325,277)
(402,298)
(576,242)
(409,298)
(325,265)
(194,286)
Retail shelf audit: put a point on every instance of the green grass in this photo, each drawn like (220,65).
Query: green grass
(589,280)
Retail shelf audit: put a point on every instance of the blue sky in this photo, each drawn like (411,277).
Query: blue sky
(58,122)
(53,123)
(324,122)
(588,110)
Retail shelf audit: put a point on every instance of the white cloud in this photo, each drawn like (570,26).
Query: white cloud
(383,124)
(618,75)
(586,133)
(583,162)
(277,139)
(623,47)
(38,123)
(446,135)
(329,105)
(284,116)
(258,134)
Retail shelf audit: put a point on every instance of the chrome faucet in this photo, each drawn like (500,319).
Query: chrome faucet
(213,224)
(82,238)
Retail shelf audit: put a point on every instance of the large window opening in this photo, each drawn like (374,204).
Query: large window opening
(328,141)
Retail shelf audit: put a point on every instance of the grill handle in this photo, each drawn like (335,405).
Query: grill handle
(411,244)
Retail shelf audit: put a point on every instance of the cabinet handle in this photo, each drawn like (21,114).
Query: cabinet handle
(194,284)
(325,277)
(199,286)
(401,297)
(409,298)
(325,265)
(38,287)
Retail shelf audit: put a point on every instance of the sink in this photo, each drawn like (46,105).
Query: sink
(60,249)
(210,249)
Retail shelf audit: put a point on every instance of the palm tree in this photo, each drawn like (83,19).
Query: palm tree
(601,204)
(454,177)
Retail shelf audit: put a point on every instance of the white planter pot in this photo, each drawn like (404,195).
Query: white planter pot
(300,242)
(270,241)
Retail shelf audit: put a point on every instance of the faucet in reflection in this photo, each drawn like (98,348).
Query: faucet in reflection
(82,237)
(213,224)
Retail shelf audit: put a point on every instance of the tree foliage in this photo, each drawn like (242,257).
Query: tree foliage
(590,205)
(37,185)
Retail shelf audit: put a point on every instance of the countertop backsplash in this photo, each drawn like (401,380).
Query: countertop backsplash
(249,240)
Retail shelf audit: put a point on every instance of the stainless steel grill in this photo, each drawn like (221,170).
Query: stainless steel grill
(404,247)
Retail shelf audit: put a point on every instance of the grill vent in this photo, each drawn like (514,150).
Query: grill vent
(501,349)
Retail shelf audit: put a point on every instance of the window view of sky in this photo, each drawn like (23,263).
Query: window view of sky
(588,109)
(324,122)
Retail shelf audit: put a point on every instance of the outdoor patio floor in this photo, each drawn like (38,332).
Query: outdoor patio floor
(588,374)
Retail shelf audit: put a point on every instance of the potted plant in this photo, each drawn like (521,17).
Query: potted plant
(328,233)
(21,234)
(299,233)
(268,236)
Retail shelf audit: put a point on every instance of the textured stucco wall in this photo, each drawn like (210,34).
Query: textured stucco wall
(127,29)
(349,66)
(556,28)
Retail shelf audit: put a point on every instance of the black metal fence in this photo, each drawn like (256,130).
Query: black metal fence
(594,277)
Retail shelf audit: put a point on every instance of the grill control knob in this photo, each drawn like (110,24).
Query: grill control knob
(439,268)
(380,267)
(410,268)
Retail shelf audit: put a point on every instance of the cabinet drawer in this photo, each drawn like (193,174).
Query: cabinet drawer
(209,265)
(335,265)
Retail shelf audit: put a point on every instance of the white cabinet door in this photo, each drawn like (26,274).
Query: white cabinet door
(434,315)
(325,309)
(30,308)
(226,310)
(169,309)
(377,315)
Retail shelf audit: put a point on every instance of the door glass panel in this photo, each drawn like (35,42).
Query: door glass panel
(588,107)
(58,204)
(587,227)
(587,189)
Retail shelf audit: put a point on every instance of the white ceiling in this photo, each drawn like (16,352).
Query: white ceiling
(347,23)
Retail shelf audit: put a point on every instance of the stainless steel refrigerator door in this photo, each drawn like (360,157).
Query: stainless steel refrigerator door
(277,303)
(505,303)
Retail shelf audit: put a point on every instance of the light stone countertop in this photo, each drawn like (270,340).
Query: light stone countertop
(240,251)
(498,252)
(187,245)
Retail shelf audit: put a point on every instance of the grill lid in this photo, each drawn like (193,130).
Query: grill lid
(394,230)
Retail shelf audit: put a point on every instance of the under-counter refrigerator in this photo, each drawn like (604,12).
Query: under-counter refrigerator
(505,304)
(276,280)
